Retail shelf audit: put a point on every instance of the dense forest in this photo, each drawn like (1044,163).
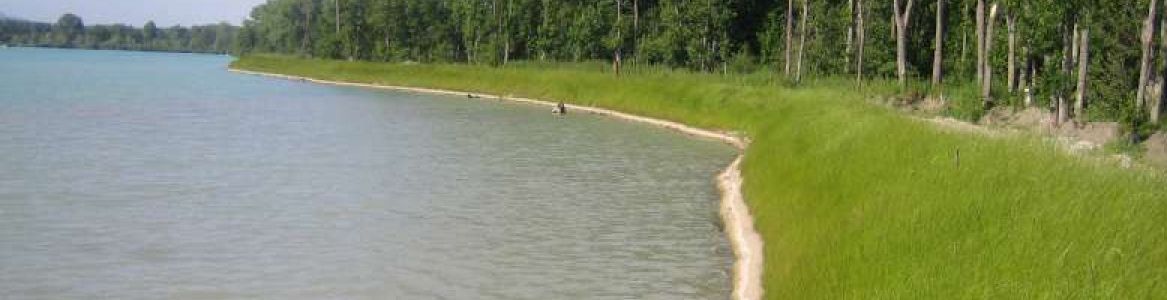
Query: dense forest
(70,31)
(1076,58)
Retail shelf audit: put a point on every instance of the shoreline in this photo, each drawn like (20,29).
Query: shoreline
(735,214)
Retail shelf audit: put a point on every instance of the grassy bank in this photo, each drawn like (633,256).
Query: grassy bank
(856,201)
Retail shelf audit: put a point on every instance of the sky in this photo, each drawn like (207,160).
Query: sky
(133,12)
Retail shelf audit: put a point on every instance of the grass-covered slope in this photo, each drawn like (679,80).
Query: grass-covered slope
(856,201)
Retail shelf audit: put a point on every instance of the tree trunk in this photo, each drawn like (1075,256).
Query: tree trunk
(1157,107)
(1026,76)
(619,40)
(497,32)
(980,38)
(635,18)
(307,30)
(895,28)
(850,37)
(902,15)
(802,40)
(861,35)
(1062,109)
(336,4)
(789,33)
(963,40)
(1074,46)
(938,49)
(963,47)
(506,22)
(1011,23)
(1145,64)
(1083,63)
(635,30)
(1067,49)
(987,77)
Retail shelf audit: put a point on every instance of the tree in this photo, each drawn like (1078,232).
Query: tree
(1145,63)
(987,77)
(150,31)
(789,33)
(69,27)
(619,39)
(938,49)
(861,34)
(902,16)
(1157,107)
(1083,63)
(980,33)
(801,40)
(1011,64)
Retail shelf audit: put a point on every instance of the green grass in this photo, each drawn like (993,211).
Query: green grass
(856,201)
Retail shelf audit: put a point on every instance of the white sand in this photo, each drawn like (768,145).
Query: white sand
(739,224)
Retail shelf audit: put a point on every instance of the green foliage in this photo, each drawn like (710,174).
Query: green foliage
(71,32)
(856,201)
(964,102)
(742,62)
(68,28)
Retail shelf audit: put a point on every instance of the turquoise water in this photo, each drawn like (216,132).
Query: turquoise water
(130,175)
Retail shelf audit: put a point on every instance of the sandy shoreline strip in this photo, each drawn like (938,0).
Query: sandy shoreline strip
(739,223)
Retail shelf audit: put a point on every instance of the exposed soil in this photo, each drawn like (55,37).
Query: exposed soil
(1156,150)
(1075,137)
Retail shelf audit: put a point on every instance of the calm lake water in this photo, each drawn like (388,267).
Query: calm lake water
(143,176)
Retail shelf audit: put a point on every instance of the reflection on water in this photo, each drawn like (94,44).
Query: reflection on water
(142,176)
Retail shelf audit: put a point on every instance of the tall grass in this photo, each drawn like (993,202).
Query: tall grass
(856,201)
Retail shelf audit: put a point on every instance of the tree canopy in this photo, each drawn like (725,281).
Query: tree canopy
(70,31)
(725,35)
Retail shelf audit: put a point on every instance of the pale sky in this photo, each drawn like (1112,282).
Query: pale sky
(133,12)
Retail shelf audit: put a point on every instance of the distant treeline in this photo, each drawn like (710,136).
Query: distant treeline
(71,32)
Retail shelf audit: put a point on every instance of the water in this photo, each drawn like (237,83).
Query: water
(143,176)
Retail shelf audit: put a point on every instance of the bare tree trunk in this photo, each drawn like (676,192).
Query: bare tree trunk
(789,33)
(1074,45)
(1062,109)
(1011,23)
(636,17)
(861,35)
(304,46)
(963,39)
(980,38)
(802,40)
(963,47)
(616,52)
(987,77)
(1157,107)
(498,29)
(1026,76)
(1083,62)
(336,5)
(902,15)
(506,21)
(895,29)
(1145,64)
(938,49)
(635,30)
(850,37)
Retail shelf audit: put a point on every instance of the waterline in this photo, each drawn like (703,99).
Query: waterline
(739,223)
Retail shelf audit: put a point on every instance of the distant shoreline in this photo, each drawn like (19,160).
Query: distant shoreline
(10,46)
(739,223)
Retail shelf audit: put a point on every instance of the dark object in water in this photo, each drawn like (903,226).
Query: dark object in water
(560,109)
(471,96)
